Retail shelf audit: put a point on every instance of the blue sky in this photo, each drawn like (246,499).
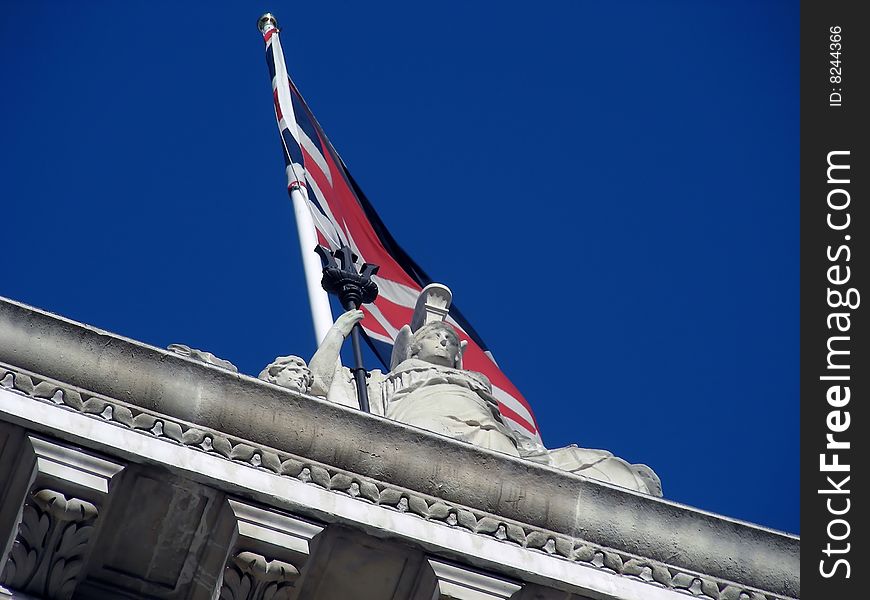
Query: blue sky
(610,190)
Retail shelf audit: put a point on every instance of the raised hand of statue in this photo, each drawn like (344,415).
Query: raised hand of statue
(344,324)
(325,361)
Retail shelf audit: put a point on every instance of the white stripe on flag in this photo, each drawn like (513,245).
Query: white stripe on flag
(324,205)
(324,220)
(514,404)
(378,336)
(315,154)
(385,323)
(282,86)
(396,293)
(283,123)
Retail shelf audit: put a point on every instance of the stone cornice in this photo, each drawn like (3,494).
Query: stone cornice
(161,394)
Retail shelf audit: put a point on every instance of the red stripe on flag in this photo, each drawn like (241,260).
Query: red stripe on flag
(396,314)
(510,415)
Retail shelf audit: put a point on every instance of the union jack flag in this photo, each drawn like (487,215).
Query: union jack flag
(343,215)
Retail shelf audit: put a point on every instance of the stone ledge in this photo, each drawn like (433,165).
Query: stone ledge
(49,419)
(627,528)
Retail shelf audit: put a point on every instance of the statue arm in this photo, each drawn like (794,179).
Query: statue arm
(323,363)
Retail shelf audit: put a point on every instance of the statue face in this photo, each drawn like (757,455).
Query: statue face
(293,377)
(438,346)
(290,372)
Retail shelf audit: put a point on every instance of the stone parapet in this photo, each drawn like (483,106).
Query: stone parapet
(66,369)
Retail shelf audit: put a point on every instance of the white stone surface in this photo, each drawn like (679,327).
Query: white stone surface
(461,583)
(274,528)
(73,466)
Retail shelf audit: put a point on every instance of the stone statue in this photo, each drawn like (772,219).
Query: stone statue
(290,372)
(427,387)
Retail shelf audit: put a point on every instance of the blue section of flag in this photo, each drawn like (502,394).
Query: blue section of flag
(303,120)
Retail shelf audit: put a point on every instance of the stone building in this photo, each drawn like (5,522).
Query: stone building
(127,471)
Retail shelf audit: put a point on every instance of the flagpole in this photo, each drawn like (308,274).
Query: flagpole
(321,312)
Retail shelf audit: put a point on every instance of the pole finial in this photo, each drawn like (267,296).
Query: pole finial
(266,22)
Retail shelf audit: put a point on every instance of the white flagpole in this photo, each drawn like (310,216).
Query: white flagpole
(321,313)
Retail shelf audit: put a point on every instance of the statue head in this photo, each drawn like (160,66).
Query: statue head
(437,343)
(290,372)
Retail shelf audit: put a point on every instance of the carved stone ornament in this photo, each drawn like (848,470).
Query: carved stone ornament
(52,538)
(251,576)
(202,356)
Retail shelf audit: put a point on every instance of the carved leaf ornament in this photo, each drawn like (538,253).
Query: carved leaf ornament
(251,576)
(52,537)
